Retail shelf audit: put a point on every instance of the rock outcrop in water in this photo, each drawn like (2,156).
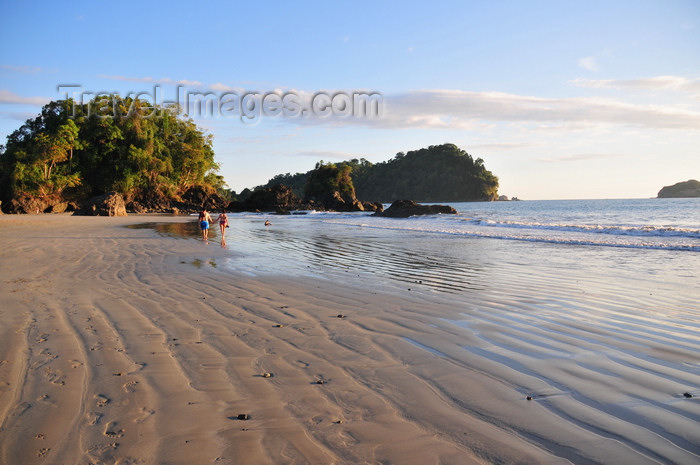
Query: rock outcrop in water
(282,199)
(690,188)
(406,208)
(277,198)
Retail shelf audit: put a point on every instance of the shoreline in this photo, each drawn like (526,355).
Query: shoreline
(120,344)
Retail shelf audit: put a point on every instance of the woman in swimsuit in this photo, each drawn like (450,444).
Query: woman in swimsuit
(223,223)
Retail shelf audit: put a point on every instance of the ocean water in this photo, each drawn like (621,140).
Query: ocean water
(655,240)
(592,307)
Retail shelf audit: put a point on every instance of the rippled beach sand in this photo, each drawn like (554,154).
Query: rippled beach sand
(123,345)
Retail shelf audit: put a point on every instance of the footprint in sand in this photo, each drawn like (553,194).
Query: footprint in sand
(111,430)
(55,377)
(42,452)
(100,453)
(91,329)
(93,418)
(75,363)
(102,400)
(40,363)
(46,399)
(144,414)
(129,387)
(96,346)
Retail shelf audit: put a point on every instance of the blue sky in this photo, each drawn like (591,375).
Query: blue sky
(562,99)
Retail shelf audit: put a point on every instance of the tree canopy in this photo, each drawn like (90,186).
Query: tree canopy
(439,173)
(328,177)
(77,151)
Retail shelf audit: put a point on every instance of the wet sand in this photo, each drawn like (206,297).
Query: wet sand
(123,346)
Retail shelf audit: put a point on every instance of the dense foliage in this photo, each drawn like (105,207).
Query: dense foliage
(327,178)
(130,146)
(439,173)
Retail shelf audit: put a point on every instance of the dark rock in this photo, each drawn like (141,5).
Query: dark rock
(195,199)
(27,204)
(373,207)
(109,204)
(61,207)
(278,198)
(687,395)
(336,201)
(135,207)
(406,208)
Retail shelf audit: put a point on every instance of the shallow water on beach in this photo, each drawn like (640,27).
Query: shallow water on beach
(589,307)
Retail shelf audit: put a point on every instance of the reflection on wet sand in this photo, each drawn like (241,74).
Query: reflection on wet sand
(402,261)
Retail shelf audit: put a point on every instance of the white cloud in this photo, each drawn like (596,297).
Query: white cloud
(580,157)
(454,109)
(8,97)
(502,146)
(675,83)
(322,154)
(589,63)
(165,80)
(23,69)
(219,87)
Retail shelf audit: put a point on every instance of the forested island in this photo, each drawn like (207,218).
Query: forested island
(439,173)
(690,188)
(156,160)
(71,152)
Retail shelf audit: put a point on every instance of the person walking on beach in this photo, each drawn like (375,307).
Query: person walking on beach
(223,223)
(204,220)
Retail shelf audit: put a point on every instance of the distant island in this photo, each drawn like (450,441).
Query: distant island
(439,173)
(690,188)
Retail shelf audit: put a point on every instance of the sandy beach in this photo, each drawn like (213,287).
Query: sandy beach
(124,346)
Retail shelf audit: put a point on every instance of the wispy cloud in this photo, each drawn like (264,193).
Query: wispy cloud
(454,109)
(147,79)
(502,146)
(219,87)
(18,115)
(321,154)
(580,157)
(8,97)
(675,83)
(589,63)
(28,69)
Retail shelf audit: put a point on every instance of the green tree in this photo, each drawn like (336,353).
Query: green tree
(110,143)
(327,178)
